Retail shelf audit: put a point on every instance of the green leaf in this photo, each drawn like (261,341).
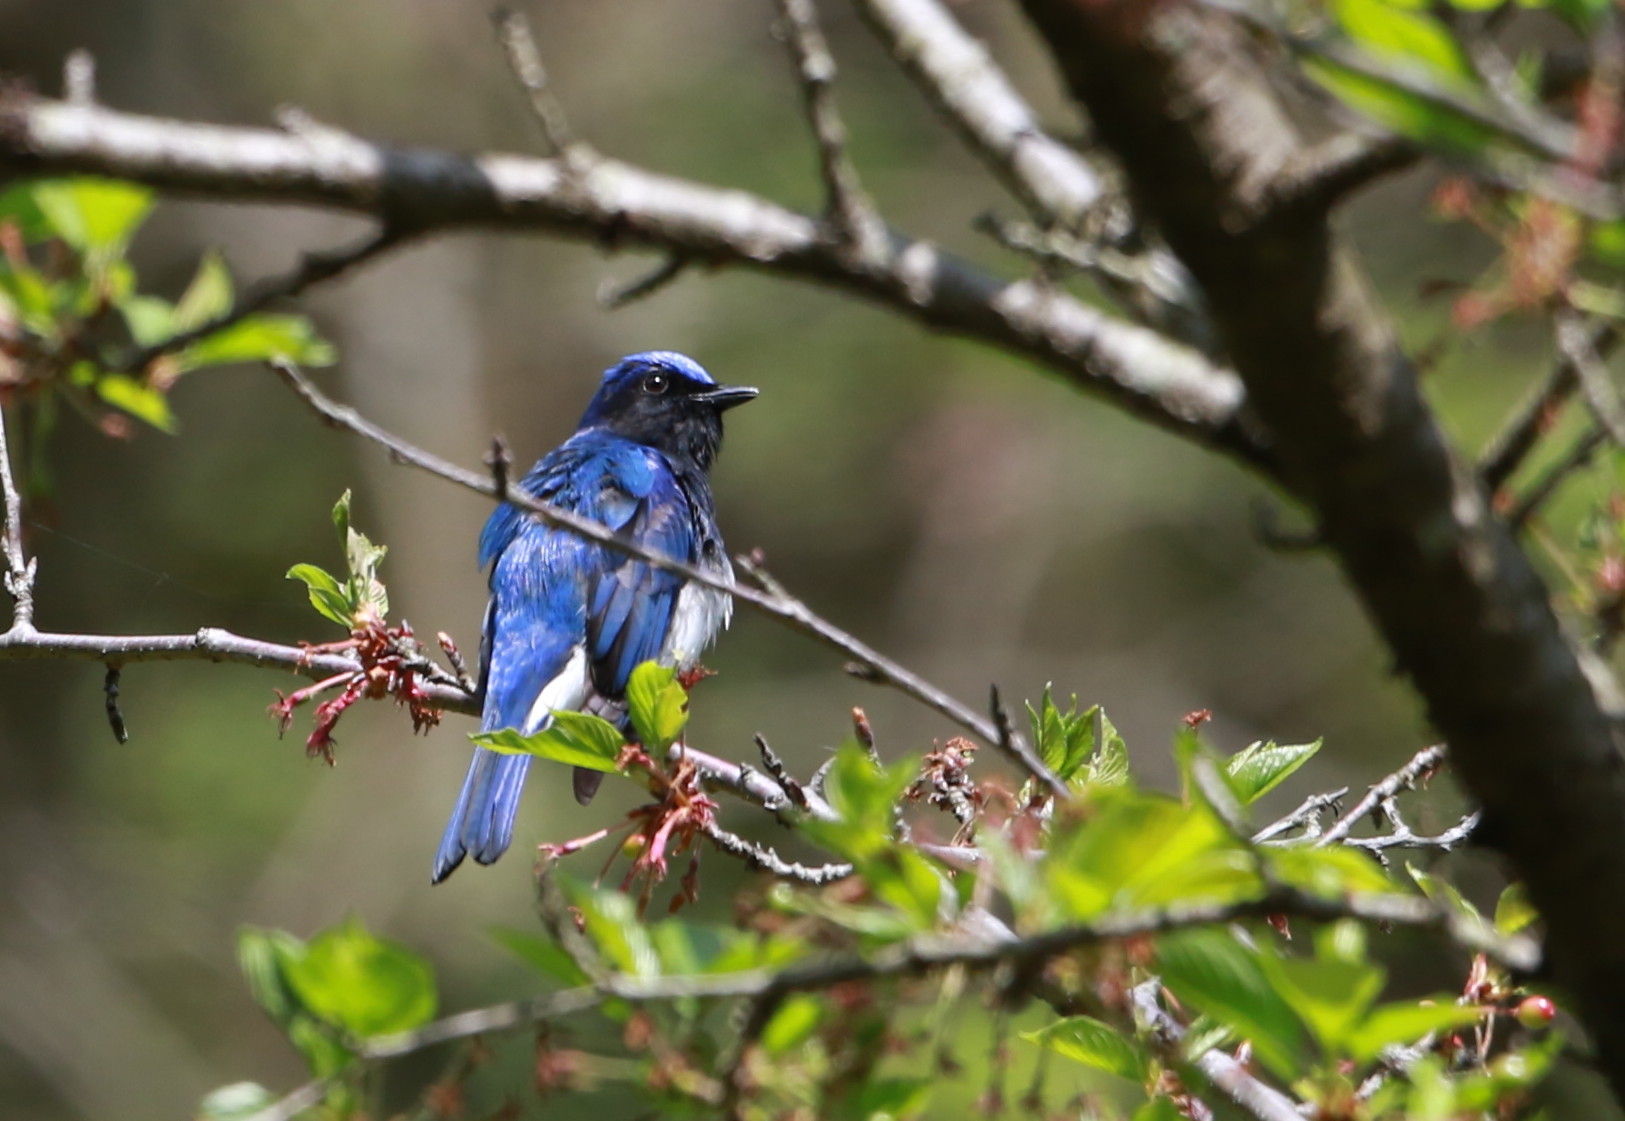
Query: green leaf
(31,297)
(150,319)
(1443,892)
(611,924)
(237,1102)
(138,399)
(1212,972)
(1404,1023)
(1329,995)
(1332,871)
(658,706)
(792,1024)
(863,795)
(1256,770)
(207,298)
(1108,763)
(890,1099)
(1405,36)
(92,215)
(906,880)
(363,590)
(363,984)
(1094,1044)
(326,596)
(259,338)
(18,206)
(1513,911)
(577,738)
(261,955)
(1400,110)
(544,955)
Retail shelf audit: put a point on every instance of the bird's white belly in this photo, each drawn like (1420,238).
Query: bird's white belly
(698,615)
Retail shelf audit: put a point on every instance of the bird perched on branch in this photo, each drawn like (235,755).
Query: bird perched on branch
(568,619)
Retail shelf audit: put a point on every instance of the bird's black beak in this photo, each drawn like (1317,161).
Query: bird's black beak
(727,396)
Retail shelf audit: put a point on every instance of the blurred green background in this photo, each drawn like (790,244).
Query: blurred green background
(958,509)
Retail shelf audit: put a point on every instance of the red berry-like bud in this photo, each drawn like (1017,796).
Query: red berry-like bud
(1535,1011)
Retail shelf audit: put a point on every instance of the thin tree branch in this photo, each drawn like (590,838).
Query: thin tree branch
(926,954)
(312,269)
(848,208)
(1574,343)
(1420,765)
(616,296)
(776,604)
(1535,417)
(20,569)
(1577,458)
(961,80)
(525,60)
(1334,169)
(764,859)
(613,203)
(210,644)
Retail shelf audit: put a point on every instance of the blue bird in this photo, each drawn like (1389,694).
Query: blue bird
(568,620)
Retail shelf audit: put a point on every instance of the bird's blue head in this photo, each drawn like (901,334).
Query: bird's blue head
(667,401)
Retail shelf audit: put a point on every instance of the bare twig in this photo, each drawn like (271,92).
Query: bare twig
(1574,342)
(777,603)
(211,644)
(848,209)
(1577,458)
(79,78)
(1423,763)
(616,296)
(525,60)
(1335,168)
(20,569)
(957,75)
(1306,817)
(764,859)
(1507,451)
(312,269)
(115,717)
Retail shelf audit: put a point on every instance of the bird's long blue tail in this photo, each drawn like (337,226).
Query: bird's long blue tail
(482,823)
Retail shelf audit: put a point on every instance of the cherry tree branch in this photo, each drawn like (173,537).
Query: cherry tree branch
(925,954)
(616,204)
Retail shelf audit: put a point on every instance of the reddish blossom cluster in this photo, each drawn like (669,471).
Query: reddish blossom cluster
(388,658)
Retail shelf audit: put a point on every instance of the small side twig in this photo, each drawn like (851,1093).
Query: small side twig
(20,569)
(1306,817)
(115,718)
(764,859)
(1601,396)
(613,297)
(849,211)
(313,268)
(1575,459)
(1533,418)
(525,60)
(1423,763)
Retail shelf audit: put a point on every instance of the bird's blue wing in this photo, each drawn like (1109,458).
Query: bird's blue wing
(565,616)
(631,603)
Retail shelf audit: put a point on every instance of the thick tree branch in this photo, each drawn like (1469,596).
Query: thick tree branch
(1173,92)
(619,205)
(1059,186)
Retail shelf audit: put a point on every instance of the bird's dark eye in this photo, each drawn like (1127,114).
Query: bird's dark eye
(656,384)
